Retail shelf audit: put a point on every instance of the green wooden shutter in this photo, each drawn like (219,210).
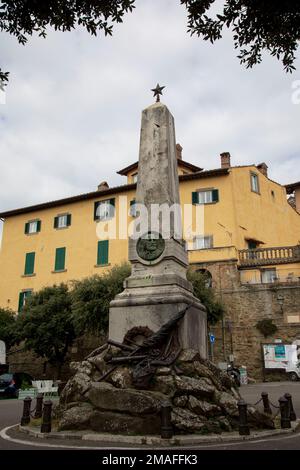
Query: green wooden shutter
(96,205)
(215,195)
(69,218)
(102,254)
(55,222)
(27,227)
(195,197)
(29,263)
(60,256)
(21,301)
(38,225)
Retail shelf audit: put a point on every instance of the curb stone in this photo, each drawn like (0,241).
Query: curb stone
(178,440)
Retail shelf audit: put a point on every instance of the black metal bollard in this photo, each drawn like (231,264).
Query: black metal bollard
(26,411)
(243,421)
(46,421)
(284,412)
(166,425)
(39,406)
(292,413)
(266,403)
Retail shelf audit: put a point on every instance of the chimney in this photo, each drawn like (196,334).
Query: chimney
(102,186)
(179,151)
(263,168)
(225,160)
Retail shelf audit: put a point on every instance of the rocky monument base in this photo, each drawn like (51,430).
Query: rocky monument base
(203,398)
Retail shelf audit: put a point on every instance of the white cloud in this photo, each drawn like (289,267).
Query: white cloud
(73,107)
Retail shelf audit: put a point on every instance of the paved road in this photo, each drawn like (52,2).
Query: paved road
(11,410)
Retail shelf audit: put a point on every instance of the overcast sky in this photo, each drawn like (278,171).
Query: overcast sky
(73,105)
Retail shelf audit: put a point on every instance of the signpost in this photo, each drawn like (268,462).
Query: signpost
(211,340)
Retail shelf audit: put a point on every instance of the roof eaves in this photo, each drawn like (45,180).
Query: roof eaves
(106,192)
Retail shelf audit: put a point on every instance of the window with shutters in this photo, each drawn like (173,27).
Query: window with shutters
(205,196)
(22,298)
(62,221)
(29,264)
(60,259)
(104,210)
(102,252)
(203,242)
(33,226)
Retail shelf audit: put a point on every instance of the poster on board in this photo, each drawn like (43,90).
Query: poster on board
(279,356)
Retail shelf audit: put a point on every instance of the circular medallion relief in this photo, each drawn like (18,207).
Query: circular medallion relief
(150,246)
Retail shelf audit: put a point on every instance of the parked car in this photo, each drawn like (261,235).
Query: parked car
(293,372)
(11,383)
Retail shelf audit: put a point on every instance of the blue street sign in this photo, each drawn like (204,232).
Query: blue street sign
(211,338)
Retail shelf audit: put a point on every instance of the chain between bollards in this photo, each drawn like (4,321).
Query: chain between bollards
(166,424)
(46,420)
(285,421)
(292,414)
(243,420)
(26,411)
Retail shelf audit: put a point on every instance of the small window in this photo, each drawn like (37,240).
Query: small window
(268,275)
(33,226)
(273,195)
(252,244)
(209,196)
(29,264)
(134,177)
(22,298)
(60,258)
(254,183)
(62,221)
(104,210)
(132,210)
(203,242)
(102,252)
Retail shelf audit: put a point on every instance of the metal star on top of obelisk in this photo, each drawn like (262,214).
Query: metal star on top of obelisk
(157,91)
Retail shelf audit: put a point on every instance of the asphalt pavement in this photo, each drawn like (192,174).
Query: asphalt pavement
(11,410)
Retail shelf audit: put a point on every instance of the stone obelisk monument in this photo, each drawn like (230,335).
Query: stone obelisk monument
(157,288)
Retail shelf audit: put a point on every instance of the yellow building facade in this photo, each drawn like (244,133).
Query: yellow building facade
(247,221)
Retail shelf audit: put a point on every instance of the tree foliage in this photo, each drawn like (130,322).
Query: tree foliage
(257,25)
(206,295)
(45,323)
(22,18)
(7,324)
(266,327)
(91,298)
(54,316)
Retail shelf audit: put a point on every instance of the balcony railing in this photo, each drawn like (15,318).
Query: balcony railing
(269,256)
